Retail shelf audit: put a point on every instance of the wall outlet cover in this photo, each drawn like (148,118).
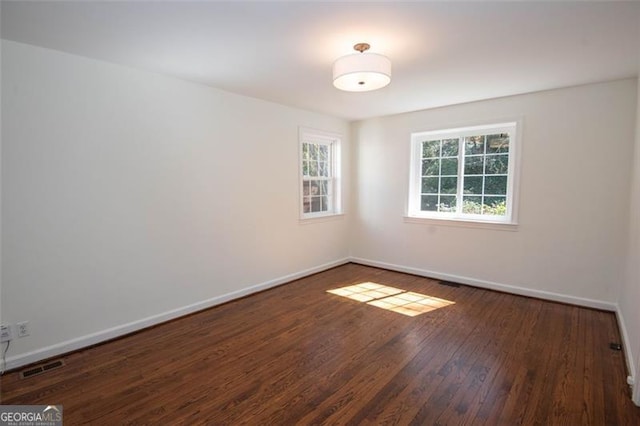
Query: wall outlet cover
(23,329)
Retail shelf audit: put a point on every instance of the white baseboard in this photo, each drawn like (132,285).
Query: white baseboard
(631,368)
(121,330)
(539,294)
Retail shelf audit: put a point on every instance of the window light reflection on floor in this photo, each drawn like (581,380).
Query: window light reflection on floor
(392,299)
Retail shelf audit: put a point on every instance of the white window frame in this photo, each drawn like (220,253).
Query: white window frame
(414,212)
(333,142)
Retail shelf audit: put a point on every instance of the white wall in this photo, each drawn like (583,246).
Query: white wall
(130,197)
(629,300)
(574,196)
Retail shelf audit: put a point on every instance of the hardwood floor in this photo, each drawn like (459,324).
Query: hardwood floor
(296,354)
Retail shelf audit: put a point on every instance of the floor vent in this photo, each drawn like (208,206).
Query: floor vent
(448,283)
(42,368)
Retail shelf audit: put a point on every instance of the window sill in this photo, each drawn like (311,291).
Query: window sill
(320,219)
(462,223)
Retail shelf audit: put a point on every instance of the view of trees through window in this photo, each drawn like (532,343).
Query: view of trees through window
(467,175)
(316,177)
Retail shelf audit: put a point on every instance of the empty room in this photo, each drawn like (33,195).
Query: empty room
(277,213)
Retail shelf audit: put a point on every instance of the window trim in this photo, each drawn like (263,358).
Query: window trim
(413,214)
(334,142)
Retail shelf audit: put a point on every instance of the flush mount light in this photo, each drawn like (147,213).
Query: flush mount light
(361,72)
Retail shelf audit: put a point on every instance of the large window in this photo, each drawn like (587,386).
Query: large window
(319,166)
(464,174)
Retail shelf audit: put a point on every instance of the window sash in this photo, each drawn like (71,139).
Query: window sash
(328,196)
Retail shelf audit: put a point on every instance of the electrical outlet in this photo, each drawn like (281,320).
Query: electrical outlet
(23,329)
(5,333)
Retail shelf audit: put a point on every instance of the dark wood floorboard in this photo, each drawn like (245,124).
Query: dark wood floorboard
(298,355)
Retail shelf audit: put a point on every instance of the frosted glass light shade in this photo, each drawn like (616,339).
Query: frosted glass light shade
(361,72)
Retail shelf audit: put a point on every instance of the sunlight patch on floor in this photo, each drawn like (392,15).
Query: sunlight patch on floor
(392,299)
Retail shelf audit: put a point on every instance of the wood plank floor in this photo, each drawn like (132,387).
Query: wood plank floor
(298,355)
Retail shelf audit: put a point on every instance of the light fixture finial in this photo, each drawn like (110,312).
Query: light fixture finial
(361,47)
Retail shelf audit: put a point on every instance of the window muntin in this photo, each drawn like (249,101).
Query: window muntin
(464,173)
(319,155)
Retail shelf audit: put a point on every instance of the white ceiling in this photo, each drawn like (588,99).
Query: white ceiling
(443,53)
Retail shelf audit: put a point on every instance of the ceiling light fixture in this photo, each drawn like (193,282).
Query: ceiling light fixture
(361,72)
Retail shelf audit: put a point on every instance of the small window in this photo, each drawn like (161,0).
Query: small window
(464,174)
(319,174)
